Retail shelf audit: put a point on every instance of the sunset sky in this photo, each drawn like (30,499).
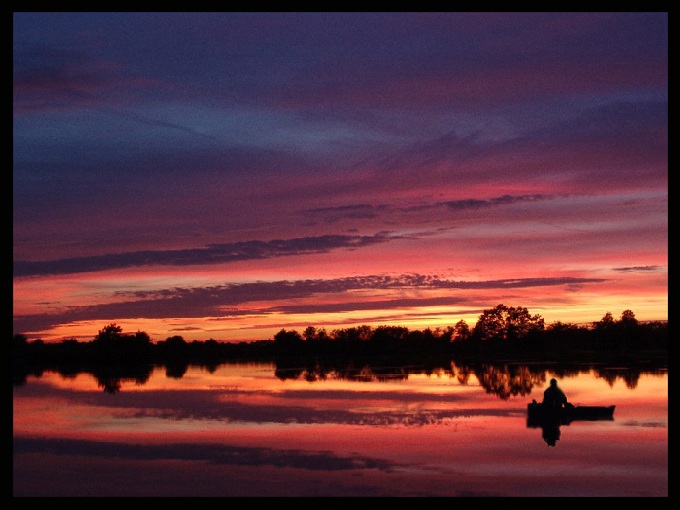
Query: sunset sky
(227,175)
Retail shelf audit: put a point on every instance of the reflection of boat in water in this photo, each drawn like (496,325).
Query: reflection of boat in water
(550,419)
(538,414)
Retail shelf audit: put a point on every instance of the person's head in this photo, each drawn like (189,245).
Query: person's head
(553,382)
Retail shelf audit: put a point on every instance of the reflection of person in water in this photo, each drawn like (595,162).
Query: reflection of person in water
(554,397)
(551,431)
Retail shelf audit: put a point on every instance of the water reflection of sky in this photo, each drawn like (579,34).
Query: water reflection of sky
(426,429)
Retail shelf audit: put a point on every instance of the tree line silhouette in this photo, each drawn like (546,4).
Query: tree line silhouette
(501,334)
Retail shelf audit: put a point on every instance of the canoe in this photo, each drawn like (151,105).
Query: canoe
(538,414)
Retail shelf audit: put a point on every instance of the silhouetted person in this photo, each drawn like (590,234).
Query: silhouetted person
(554,397)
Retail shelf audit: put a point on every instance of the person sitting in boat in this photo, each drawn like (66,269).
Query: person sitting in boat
(554,397)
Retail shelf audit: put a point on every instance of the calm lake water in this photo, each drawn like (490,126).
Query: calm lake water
(246,430)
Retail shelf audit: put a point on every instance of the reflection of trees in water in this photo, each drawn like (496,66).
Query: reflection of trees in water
(350,372)
(110,384)
(502,380)
(112,378)
(509,380)
(517,379)
(630,377)
(462,373)
(176,369)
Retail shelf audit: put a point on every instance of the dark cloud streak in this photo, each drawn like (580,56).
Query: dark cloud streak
(368,211)
(213,254)
(204,452)
(216,300)
(638,269)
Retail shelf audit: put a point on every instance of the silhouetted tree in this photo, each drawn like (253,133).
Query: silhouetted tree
(175,343)
(389,335)
(109,333)
(462,330)
(140,339)
(519,323)
(352,335)
(287,339)
(606,323)
(19,341)
(445,335)
(502,322)
(628,317)
(364,332)
(562,327)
